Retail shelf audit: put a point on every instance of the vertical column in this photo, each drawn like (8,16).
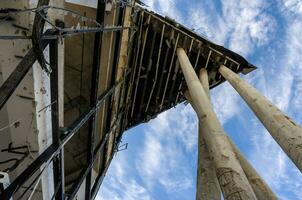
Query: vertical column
(94,96)
(261,189)
(231,177)
(207,183)
(58,162)
(286,132)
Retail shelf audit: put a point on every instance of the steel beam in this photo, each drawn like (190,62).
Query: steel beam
(100,15)
(157,65)
(145,82)
(140,65)
(85,172)
(169,72)
(58,162)
(53,150)
(132,78)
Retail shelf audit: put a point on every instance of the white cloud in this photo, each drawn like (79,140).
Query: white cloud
(226,102)
(123,190)
(293,63)
(161,160)
(294,6)
(242,25)
(281,82)
(164,7)
(118,185)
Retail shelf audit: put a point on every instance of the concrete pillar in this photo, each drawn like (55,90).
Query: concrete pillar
(261,189)
(207,187)
(286,132)
(204,79)
(207,183)
(232,180)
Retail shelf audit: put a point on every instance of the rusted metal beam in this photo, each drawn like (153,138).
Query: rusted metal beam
(140,65)
(157,65)
(150,61)
(58,161)
(169,72)
(100,16)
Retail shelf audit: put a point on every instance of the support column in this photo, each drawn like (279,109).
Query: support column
(207,183)
(261,189)
(286,132)
(231,177)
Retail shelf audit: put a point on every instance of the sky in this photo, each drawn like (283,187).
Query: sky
(160,162)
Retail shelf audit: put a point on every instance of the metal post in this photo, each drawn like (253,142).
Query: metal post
(233,181)
(94,96)
(286,132)
(58,162)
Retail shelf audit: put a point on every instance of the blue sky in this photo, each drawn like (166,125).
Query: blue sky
(160,162)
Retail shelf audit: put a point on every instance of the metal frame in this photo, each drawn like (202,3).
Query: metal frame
(54,149)
(61,135)
(157,65)
(58,162)
(93,96)
(54,153)
(170,68)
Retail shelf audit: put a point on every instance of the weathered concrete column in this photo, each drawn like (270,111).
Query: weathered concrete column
(286,132)
(207,187)
(207,183)
(204,79)
(232,180)
(261,189)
